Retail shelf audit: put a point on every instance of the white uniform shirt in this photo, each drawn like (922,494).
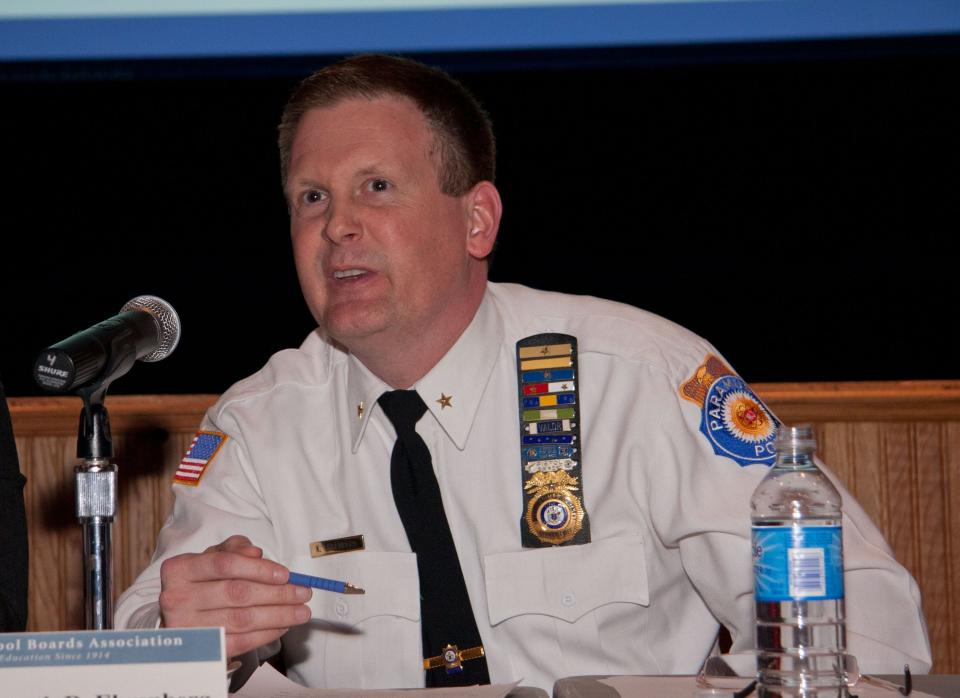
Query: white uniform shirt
(307,458)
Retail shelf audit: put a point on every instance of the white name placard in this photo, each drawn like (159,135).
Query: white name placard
(164,663)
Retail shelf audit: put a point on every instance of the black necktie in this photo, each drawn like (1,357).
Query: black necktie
(446,617)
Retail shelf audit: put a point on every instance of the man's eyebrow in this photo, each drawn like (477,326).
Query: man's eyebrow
(365,171)
(304,182)
(375,168)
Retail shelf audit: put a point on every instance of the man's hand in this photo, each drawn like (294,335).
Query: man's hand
(230,584)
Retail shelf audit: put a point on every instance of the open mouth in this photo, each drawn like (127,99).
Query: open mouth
(349,274)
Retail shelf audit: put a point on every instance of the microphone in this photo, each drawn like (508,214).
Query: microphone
(147,328)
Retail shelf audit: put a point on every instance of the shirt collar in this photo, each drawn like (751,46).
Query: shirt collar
(462,374)
(451,390)
(363,390)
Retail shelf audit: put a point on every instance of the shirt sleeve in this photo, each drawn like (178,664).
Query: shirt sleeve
(222,501)
(701,505)
(885,623)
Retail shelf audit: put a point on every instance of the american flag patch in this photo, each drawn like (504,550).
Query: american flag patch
(201,453)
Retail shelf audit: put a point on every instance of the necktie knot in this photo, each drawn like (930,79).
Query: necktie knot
(403,408)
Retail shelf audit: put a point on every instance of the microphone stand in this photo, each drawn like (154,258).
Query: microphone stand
(147,328)
(96,500)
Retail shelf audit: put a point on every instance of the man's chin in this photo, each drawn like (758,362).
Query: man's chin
(352,329)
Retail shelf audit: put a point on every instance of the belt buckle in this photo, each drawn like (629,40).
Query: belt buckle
(451,658)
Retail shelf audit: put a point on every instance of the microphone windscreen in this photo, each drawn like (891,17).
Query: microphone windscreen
(168,324)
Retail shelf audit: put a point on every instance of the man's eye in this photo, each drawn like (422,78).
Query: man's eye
(379,185)
(313,196)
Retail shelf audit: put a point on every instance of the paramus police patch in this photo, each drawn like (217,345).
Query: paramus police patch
(735,421)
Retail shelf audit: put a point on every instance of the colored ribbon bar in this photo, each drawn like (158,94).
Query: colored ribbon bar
(541,452)
(550,400)
(554,426)
(545,376)
(553,387)
(559,362)
(560,439)
(540,415)
(548,466)
(544,351)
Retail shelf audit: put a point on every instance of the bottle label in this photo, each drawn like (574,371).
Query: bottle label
(797,563)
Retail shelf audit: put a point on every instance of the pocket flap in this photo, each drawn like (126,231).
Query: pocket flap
(390,580)
(566,582)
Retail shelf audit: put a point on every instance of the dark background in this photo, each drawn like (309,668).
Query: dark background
(793,203)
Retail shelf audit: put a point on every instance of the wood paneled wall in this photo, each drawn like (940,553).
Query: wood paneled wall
(895,445)
(150,435)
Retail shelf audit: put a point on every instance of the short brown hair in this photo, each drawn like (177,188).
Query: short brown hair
(462,130)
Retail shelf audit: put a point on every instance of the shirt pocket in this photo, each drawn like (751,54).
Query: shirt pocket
(369,640)
(563,601)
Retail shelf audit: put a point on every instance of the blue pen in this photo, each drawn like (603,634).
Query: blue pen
(308,580)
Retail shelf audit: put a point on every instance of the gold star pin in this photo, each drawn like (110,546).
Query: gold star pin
(444,400)
(360,410)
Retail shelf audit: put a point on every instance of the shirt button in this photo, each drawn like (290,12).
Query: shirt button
(341,608)
(568,599)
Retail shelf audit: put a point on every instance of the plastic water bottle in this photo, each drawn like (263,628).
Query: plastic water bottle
(798,574)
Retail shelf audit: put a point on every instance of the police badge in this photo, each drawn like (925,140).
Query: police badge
(554,514)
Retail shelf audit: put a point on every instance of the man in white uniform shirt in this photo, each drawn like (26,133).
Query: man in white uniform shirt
(612,536)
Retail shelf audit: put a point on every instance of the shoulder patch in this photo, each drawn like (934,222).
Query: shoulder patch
(735,421)
(202,451)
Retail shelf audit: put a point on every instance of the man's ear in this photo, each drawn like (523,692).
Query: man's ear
(484,209)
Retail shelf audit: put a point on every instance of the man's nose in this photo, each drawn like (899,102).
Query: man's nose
(343,224)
